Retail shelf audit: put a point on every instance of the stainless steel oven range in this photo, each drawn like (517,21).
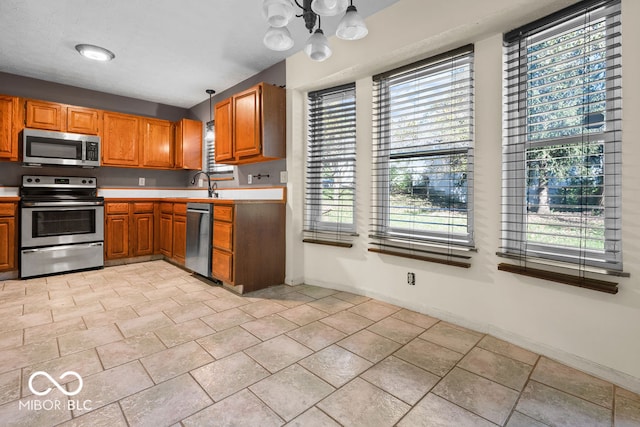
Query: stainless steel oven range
(61,225)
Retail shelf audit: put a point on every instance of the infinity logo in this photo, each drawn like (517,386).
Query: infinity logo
(55,383)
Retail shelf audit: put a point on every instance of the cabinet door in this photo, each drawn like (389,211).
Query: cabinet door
(8,242)
(8,141)
(247,136)
(223,235)
(82,120)
(223,130)
(120,139)
(188,144)
(157,144)
(44,115)
(143,234)
(117,236)
(222,265)
(179,238)
(166,235)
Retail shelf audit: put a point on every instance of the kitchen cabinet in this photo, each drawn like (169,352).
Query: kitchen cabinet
(166,229)
(179,246)
(188,144)
(8,237)
(116,236)
(248,244)
(157,144)
(120,139)
(61,117)
(83,120)
(223,131)
(142,228)
(250,126)
(43,115)
(9,127)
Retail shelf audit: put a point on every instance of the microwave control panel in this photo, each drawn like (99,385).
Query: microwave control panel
(93,151)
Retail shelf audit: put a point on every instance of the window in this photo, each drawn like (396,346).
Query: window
(331,166)
(562,148)
(423,155)
(210,151)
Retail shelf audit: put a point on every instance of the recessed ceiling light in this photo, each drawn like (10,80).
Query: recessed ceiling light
(96,53)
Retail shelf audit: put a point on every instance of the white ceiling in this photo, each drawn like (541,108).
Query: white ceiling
(167,51)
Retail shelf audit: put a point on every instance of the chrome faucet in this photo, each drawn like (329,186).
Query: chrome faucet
(211,188)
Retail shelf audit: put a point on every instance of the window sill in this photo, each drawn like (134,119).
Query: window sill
(567,279)
(422,258)
(328,243)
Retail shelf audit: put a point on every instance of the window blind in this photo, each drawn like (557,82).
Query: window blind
(210,151)
(331,166)
(562,148)
(423,156)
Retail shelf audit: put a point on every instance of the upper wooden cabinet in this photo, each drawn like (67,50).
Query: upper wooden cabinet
(44,115)
(250,126)
(9,127)
(157,144)
(188,144)
(83,120)
(224,131)
(120,139)
(61,117)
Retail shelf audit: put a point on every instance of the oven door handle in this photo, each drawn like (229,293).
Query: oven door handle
(57,248)
(60,204)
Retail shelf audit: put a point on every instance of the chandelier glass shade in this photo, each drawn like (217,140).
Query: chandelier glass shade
(279,13)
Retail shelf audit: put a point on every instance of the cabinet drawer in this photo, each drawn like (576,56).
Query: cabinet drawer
(117,208)
(223,235)
(180,208)
(7,209)
(223,213)
(143,207)
(222,265)
(166,208)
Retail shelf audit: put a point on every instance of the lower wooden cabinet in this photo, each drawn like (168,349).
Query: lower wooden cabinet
(8,237)
(116,236)
(179,232)
(129,229)
(165,229)
(249,244)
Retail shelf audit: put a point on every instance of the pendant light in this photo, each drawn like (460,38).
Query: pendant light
(278,38)
(277,12)
(328,7)
(352,26)
(317,47)
(209,136)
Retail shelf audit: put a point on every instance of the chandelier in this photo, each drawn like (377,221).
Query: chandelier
(279,13)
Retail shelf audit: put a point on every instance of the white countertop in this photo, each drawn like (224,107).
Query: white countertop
(273,193)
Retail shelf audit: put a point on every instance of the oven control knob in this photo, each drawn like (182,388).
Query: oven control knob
(90,181)
(37,179)
(29,180)
(84,181)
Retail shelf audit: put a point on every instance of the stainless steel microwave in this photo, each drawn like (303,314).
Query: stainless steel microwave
(43,147)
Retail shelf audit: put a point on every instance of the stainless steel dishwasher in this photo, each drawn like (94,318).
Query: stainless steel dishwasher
(199,220)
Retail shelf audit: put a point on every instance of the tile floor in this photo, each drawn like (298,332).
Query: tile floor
(155,346)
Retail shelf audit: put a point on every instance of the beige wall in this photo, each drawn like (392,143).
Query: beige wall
(593,331)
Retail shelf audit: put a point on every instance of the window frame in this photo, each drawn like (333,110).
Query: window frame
(383,233)
(517,144)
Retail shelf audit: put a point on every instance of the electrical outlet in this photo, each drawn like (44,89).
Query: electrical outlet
(283,177)
(249,179)
(141,182)
(411,279)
